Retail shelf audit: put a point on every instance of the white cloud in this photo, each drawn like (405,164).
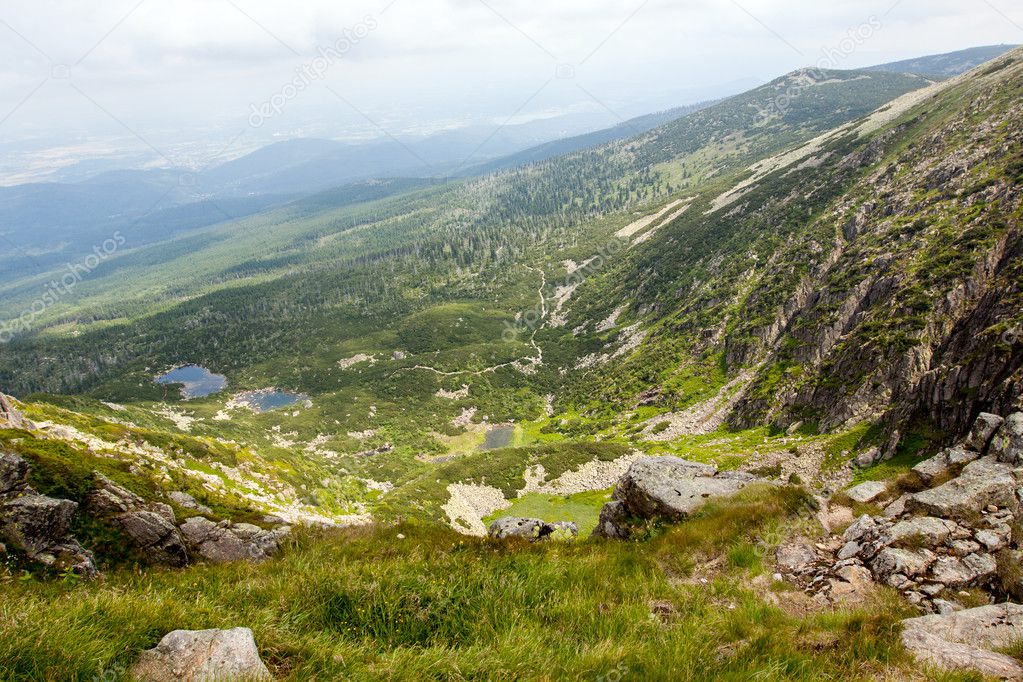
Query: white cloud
(189,65)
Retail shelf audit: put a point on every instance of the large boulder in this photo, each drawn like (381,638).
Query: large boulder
(664,488)
(983,429)
(38,525)
(225,542)
(202,656)
(964,640)
(149,526)
(673,488)
(944,464)
(1007,444)
(982,483)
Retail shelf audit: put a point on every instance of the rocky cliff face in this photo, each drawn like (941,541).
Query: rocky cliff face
(913,309)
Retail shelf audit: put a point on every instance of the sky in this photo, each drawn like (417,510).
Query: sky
(181,82)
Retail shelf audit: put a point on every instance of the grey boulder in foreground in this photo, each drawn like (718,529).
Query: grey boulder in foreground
(964,640)
(665,487)
(202,656)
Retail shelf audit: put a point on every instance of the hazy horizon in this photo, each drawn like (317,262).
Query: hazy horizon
(144,83)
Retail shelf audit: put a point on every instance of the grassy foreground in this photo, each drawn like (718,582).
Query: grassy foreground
(419,602)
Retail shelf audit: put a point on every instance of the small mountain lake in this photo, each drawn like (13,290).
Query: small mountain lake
(196,381)
(498,437)
(268,399)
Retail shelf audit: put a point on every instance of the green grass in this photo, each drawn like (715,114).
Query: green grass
(364,604)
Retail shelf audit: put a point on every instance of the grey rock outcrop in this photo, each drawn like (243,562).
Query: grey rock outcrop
(865,493)
(665,488)
(149,526)
(532,529)
(1007,443)
(964,640)
(202,656)
(10,418)
(983,430)
(225,542)
(186,501)
(945,463)
(38,525)
(982,483)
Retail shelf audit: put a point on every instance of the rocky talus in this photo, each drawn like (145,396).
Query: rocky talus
(947,529)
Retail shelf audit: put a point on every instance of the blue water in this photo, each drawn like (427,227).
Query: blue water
(264,401)
(498,437)
(196,381)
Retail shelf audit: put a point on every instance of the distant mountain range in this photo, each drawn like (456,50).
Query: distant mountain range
(43,225)
(947,65)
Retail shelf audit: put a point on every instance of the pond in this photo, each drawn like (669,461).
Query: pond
(196,381)
(268,399)
(498,437)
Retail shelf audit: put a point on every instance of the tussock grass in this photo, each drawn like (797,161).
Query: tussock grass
(365,604)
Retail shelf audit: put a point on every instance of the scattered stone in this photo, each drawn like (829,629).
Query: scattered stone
(613,521)
(945,607)
(929,531)
(853,583)
(186,501)
(202,656)
(910,563)
(992,541)
(963,640)
(559,530)
(510,526)
(1007,443)
(896,508)
(865,493)
(866,459)
(795,557)
(983,429)
(956,572)
(225,542)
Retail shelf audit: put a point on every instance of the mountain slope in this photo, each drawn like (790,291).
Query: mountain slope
(871,272)
(945,65)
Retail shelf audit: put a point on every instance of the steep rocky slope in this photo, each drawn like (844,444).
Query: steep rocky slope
(871,274)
